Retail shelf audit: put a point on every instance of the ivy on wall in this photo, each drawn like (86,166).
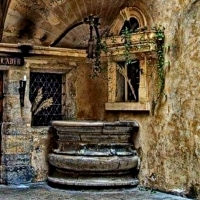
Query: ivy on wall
(126,36)
(160,39)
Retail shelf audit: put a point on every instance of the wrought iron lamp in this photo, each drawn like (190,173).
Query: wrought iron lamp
(94,43)
(94,49)
(22,88)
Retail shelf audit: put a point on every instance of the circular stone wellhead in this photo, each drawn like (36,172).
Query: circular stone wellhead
(93,153)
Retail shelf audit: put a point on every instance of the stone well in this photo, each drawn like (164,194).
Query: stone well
(93,153)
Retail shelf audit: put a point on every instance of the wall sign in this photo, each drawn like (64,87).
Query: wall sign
(9,60)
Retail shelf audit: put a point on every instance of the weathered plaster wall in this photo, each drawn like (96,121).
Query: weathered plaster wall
(169,141)
(91,93)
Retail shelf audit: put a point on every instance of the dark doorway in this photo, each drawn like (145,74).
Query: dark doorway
(1,110)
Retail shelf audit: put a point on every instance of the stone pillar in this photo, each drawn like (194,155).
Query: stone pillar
(16,141)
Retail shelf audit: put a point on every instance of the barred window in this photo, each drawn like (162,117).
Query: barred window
(45,97)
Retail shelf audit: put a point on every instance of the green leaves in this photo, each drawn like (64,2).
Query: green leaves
(161,60)
(126,37)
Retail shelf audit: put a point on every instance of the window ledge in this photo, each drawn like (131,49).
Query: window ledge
(127,106)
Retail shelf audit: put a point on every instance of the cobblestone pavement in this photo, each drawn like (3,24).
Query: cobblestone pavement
(42,191)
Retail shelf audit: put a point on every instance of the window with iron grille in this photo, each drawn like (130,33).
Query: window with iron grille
(45,97)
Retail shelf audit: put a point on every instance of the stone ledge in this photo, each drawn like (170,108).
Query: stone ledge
(127,106)
(40,50)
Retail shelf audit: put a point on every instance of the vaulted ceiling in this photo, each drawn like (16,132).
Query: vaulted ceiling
(42,22)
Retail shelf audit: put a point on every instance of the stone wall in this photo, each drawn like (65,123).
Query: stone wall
(173,152)
(169,140)
(25,148)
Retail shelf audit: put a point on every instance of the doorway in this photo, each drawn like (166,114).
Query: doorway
(1,111)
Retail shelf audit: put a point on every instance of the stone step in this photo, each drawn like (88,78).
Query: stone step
(96,181)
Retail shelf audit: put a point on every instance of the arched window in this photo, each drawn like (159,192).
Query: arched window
(130,16)
(127,85)
(132,24)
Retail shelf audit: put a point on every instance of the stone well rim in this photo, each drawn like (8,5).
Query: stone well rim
(93,123)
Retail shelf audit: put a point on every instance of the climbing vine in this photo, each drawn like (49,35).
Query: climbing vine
(126,36)
(160,38)
(97,67)
(101,46)
(128,47)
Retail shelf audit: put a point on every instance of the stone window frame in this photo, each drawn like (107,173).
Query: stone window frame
(143,103)
(113,103)
(67,71)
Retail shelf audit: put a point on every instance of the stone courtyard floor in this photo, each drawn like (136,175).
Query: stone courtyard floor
(42,191)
